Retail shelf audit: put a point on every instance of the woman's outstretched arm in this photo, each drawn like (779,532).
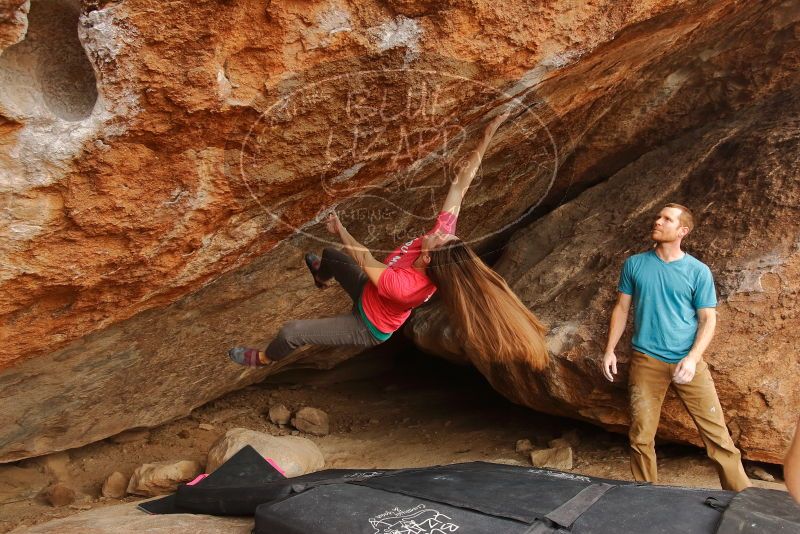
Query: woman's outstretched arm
(364,258)
(458,188)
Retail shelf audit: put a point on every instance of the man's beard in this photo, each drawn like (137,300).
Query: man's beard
(662,237)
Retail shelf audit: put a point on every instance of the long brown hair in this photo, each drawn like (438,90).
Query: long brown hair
(498,329)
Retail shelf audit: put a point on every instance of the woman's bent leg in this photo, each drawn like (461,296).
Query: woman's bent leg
(337,331)
(344,269)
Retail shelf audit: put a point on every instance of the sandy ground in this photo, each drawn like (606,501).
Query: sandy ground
(385,413)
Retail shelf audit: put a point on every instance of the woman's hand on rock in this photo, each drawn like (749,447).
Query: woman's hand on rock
(333,223)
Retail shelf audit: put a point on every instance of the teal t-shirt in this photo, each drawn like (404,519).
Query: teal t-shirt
(666,297)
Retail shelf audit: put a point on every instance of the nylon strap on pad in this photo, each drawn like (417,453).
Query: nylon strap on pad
(565,515)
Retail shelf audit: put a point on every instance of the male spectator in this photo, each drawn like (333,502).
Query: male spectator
(674,304)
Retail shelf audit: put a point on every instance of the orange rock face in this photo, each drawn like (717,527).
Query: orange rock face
(164,166)
(13,22)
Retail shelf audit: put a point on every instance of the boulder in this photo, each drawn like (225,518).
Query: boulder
(295,455)
(160,206)
(115,486)
(279,414)
(161,478)
(555,458)
(314,421)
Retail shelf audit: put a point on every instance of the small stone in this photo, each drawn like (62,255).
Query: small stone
(59,494)
(761,474)
(161,478)
(279,414)
(560,458)
(115,485)
(523,446)
(295,432)
(558,443)
(206,426)
(183,434)
(312,420)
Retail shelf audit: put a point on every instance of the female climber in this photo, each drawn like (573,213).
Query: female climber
(495,327)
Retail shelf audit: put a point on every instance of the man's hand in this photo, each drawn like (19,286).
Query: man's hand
(686,368)
(610,365)
(684,371)
(333,224)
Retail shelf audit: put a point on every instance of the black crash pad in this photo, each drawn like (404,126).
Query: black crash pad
(489,498)
(757,511)
(472,497)
(235,488)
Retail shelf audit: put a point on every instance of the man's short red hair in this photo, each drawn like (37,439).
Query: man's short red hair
(686,218)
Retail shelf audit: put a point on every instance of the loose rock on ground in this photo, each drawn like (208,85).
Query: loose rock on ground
(312,421)
(295,455)
(556,458)
(161,478)
(114,486)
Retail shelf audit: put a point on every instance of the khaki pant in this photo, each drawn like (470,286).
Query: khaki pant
(648,383)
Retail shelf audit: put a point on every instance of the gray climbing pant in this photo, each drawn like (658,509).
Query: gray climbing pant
(345,329)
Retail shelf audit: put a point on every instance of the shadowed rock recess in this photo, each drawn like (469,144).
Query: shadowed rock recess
(154,179)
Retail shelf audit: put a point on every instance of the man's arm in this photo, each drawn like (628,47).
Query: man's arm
(357,251)
(466,174)
(706,323)
(619,318)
